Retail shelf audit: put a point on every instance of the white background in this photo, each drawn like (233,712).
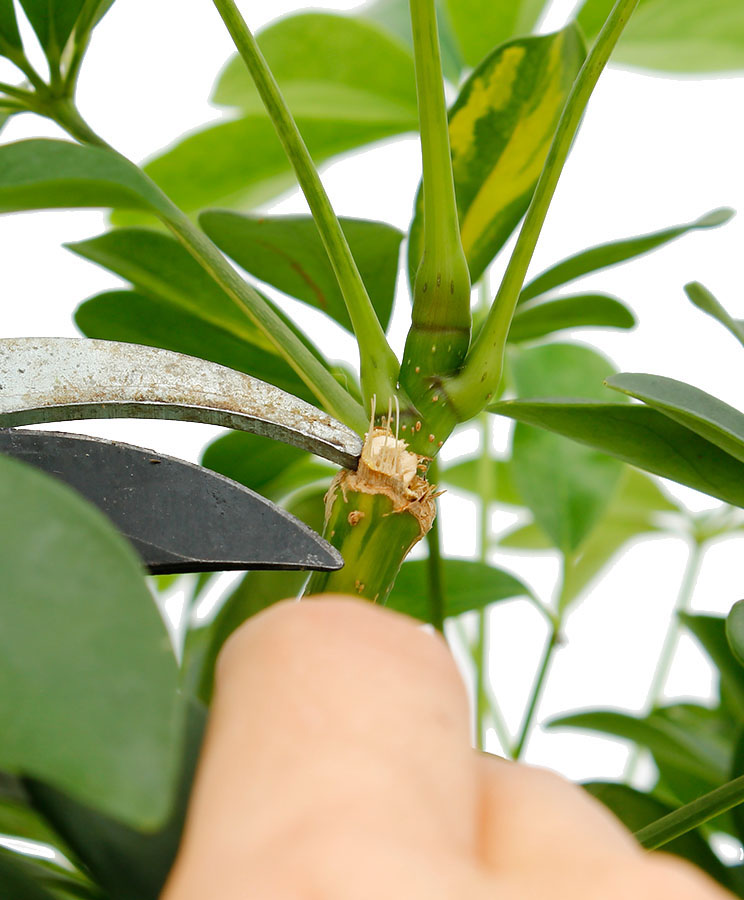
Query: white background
(653,152)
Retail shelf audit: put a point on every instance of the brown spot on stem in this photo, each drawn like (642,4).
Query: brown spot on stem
(355,517)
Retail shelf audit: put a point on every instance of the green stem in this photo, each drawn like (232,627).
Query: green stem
(495,716)
(19,59)
(553,641)
(310,369)
(669,645)
(537,688)
(441,227)
(64,112)
(379,365)
(692,815)
(12,90)
(474,386)
(434,563)
(81,40)
(480,658)
(441,322)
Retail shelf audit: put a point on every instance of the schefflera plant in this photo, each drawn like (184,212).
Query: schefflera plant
(376,514)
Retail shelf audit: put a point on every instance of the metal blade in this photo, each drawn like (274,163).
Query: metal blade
(179,516)
(63,379)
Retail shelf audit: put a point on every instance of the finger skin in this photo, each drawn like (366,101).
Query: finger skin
(337,766)
(332,714)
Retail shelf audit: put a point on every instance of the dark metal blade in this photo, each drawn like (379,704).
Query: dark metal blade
(179,516)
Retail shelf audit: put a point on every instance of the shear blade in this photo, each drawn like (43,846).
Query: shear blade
(63,379)
(180,517)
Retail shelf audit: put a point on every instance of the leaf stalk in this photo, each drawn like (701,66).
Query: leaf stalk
(691,815)
(440,330)
(379,365)
(310,369)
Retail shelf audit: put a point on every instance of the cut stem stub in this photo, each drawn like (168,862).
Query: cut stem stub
(374,516)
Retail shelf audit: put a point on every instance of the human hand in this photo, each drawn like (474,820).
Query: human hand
(337,766)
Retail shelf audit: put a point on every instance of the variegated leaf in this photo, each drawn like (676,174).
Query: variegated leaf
(501,127)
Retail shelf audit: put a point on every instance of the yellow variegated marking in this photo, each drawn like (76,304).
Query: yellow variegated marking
(521,161)
(488,94)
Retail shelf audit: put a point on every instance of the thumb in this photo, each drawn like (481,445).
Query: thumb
(329,715)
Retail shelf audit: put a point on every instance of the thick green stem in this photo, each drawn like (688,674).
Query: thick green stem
(65,113)
(379,365)
(374,516)
(669,645)
(692,815)
(472,389)
(440,330)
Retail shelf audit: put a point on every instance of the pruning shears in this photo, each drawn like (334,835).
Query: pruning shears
(180,517)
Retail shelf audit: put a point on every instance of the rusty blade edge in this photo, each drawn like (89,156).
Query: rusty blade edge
(64,379)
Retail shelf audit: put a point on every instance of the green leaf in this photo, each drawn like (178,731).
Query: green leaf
(735,631)
(93,11)
(127,864)
(679,747)
(604,255)
(466,476)
(287,253)
(711,632)
(347,84)
(700,296)
(265,466)
(702,413)
(161,267)
(329,66)
(636,809)
(676,35)
(134,318)
(16,883)
(46,174)
(393,16)
(640,436)
(87,676)
(240,163)
(632,511)
(480,25)
(525,537)
(565,486)
(581,311)
(468,585)
(53,21)
(10,37)
(501,127)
